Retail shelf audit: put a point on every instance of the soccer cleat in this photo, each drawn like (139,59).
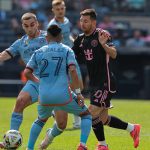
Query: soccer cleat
(47,141)
(102,147)
(135,135)
(81,147)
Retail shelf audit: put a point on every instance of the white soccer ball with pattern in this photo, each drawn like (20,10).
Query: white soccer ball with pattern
(12,139)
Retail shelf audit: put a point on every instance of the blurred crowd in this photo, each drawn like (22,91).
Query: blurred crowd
(122,32)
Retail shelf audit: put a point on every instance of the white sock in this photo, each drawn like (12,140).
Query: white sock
(102,143)
(130,127)
(77,120)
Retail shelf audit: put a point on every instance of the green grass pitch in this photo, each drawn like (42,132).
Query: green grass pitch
(129,110)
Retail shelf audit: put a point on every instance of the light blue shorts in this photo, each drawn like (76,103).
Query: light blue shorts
(33,89)
(73,108)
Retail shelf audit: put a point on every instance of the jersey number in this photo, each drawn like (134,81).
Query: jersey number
(45,64)
(59,62)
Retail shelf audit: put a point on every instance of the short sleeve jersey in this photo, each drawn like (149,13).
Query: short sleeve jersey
(52,61)
(89,49)
(65,26)
(25,47)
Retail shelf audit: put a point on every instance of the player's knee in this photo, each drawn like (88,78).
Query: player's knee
(106,120)
(62,125)
(21,104)
(85,113)
(93,113)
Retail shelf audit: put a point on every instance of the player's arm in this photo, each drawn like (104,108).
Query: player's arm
(28,72)
(76,84)
(110,49)
(5,55)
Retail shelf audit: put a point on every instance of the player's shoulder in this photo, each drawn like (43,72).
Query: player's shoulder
(52,21)
(79,37)
(65,46)
(21,40)
(42,49)
(66,19)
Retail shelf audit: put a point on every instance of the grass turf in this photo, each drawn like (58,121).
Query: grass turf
(134,111)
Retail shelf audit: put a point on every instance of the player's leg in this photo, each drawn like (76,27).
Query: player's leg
(97,125)
(60,124)
(27,96)
(133,129)
(115,122)
(86,120)
(76,122)
(97,107)
(76,118)
(44,112)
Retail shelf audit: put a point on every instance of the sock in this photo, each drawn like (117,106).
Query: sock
(98,129)
(16,120)
(34,133)
(86,123)
(77,121)
(55,130)
(102,143)
(117,123)
(130,127)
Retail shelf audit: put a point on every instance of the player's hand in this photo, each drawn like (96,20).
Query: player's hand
(80,99)
(104,36)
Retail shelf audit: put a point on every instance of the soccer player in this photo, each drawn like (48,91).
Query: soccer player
(59,9)
(25,47)
(53,62)
(97,49)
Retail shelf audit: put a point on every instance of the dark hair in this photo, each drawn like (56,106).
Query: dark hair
(89,12)
(54,30)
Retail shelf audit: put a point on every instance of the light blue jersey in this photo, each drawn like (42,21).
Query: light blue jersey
(66,31)
(25,47)
(52,61)
(65,27)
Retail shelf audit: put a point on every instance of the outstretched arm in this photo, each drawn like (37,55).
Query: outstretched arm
(4,56)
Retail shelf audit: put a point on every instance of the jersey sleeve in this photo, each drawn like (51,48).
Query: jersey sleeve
(77,48)
(13,50)
(71,58)
(32,64)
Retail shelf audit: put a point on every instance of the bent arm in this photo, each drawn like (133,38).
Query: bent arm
(74,77)
(110,50)
(28,72)
(4,56)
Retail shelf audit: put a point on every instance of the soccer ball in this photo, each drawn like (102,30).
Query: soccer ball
(12,139)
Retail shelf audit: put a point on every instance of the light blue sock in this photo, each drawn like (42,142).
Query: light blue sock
(16,120)
(86,123)
(55,130)
(34,133)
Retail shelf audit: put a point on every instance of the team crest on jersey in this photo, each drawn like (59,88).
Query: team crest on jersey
(88,54)
(94,43)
